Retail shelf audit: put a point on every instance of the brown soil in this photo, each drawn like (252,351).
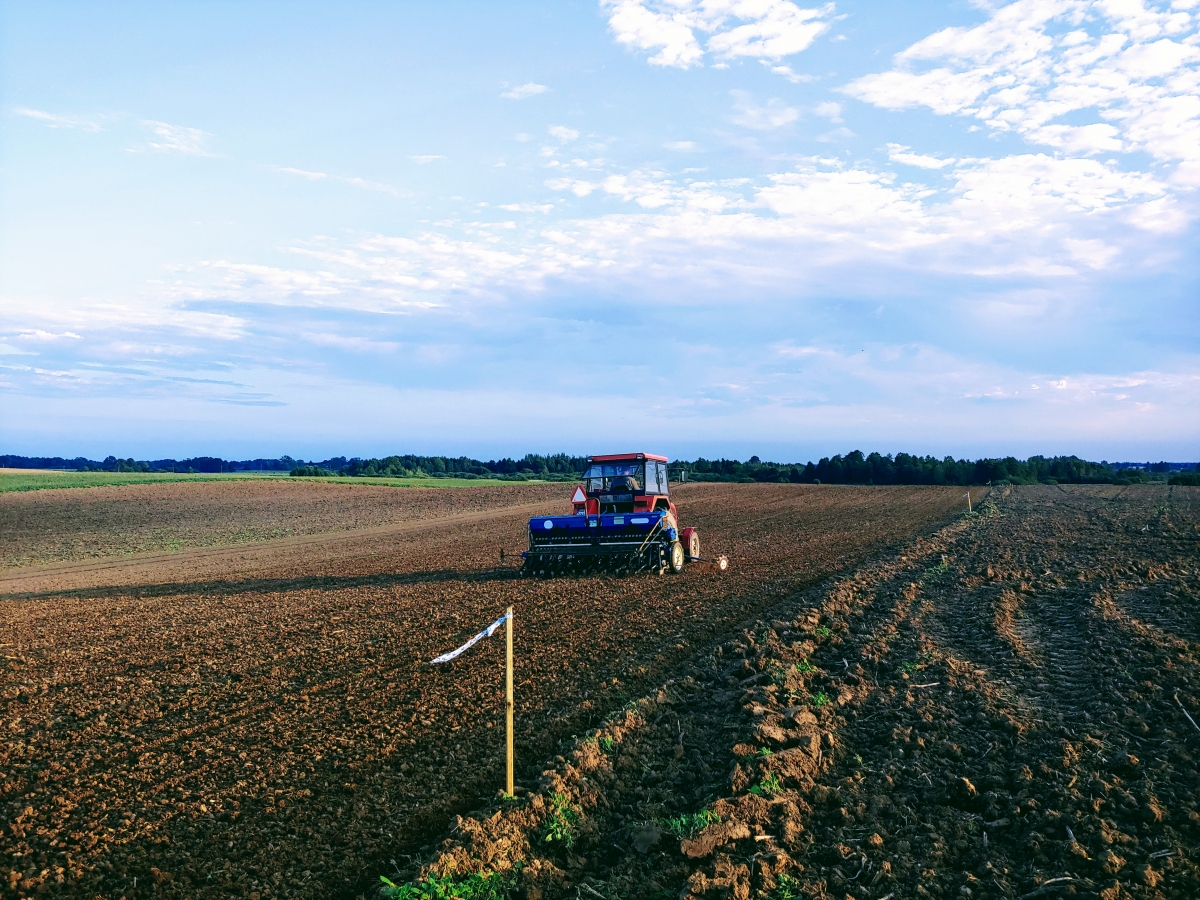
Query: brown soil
(999,710)
(259,721)
(61,525)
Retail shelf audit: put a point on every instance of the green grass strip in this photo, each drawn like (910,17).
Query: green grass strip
(40,480)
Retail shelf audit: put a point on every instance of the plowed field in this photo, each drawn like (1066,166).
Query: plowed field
(49,526)
(1005,709)
(257,721)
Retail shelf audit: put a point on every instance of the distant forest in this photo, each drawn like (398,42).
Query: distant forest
(853,468)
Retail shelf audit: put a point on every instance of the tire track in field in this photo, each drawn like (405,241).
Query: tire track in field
(1028,631)
(1047,718)
(1175,613)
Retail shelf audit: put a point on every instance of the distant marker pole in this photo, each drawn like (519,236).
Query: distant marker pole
(508,703)
(968,496)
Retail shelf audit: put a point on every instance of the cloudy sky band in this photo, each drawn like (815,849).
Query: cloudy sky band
(966,230)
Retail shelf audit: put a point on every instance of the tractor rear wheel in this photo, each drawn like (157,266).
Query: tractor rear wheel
(676,557)
(693,549)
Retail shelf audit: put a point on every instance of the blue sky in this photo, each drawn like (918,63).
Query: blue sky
(704,227)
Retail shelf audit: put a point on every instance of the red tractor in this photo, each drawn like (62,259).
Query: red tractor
(623,521)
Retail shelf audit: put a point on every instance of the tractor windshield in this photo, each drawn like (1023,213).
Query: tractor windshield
(613,476)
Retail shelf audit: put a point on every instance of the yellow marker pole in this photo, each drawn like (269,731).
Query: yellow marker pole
(968,501)
(508,704)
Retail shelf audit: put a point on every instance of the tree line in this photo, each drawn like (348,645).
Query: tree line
(206,464)
(553,467)
(851,468)
(905,468)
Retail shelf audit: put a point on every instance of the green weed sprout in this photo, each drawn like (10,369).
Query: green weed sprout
(689,824)
(786,888)
(767,786)
(560,824)
(492,886)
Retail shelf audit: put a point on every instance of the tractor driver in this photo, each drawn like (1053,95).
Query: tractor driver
(624,483)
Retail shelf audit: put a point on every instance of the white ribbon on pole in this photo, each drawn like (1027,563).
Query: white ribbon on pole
(487,632)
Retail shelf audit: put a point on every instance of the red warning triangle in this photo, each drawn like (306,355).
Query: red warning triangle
(579,496)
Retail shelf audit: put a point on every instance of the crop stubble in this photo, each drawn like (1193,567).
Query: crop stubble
(259,721)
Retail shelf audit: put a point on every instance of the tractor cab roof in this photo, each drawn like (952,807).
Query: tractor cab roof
(623,457)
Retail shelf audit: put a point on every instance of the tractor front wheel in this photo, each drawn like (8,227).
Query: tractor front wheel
(676,557)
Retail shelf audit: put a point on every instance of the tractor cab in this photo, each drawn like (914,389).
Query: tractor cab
(624,483)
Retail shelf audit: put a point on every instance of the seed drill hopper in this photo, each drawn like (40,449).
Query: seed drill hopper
(623,522)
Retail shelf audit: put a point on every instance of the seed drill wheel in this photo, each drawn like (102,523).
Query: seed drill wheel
(675,557)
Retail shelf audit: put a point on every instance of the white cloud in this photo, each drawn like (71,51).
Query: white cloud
(669,33)
(829,110)
(1046,221)
(841,203)
(178,138)
(292,286)
(1059,221)
(815,376)
(371,185)
(762,117)
(38,334)
(761,29)
(786,72)
(527,207)
(1163,216)
(578,188)
(350,343)
(1131,68)
(303,173)
(520,92)
(66,320)
(379,274)
(648,190)
(352,180)
(54,120)
(1032,216)
(838,134)
(899,153)
(426,158)
(1028,181)
(775,28)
